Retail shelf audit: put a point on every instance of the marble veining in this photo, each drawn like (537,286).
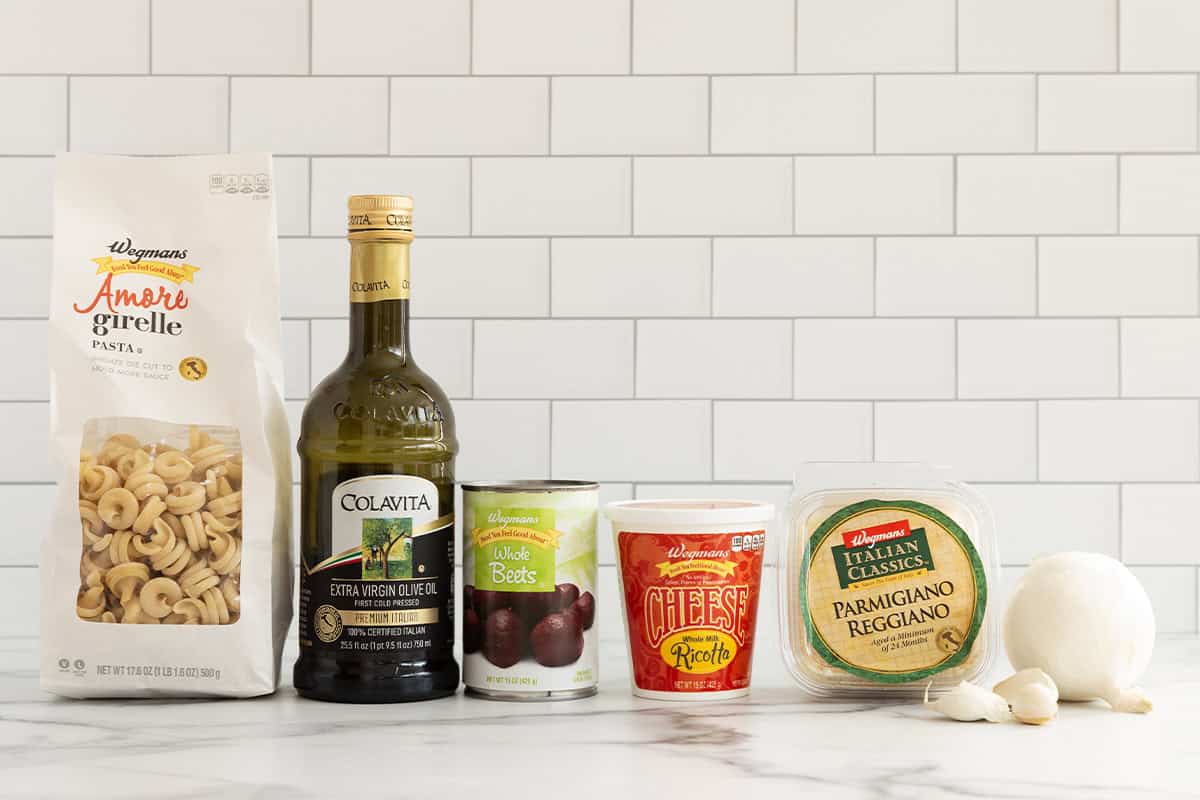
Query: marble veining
(776,743)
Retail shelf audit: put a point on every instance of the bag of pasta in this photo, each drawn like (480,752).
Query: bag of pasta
(167,569)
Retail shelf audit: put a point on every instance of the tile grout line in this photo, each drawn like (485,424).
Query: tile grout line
(1117,33)
(765,318)
(310,37)
(874,115)
(1011,73)
(149,37)
(631,37)
(549,115)
(68,117)
(722,156)
(229,119)
(954,198)
(813,400)
(874,428)
(389,137)
(796,36)
(616,237)
(470,37)
(957,34)
(1037,113)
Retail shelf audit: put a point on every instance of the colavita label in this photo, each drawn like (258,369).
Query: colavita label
(691,602)
(894,591)
(389,584)
(379,273)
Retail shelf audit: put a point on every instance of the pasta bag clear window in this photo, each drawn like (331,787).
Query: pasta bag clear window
(887,580)
(160,506)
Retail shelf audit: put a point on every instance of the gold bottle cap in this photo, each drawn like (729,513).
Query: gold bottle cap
(380,216)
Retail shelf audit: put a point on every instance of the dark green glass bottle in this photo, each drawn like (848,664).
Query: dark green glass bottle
(377,451)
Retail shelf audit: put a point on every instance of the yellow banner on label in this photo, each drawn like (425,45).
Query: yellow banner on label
(370,619)
(669,569)
(518,533)
(177,273)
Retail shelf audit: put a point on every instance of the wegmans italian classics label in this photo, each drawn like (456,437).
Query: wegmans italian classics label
(892,591)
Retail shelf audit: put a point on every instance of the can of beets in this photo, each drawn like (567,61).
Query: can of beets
(529,589)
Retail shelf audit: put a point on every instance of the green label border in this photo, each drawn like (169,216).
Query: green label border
(964,541)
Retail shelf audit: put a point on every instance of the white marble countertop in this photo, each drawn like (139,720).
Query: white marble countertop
(776,743)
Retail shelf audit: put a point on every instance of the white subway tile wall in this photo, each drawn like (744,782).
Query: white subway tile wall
(681,246)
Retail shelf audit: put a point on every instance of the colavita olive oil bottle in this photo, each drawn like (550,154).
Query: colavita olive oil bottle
(377,452)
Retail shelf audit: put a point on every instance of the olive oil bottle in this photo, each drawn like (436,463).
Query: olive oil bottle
(377,450)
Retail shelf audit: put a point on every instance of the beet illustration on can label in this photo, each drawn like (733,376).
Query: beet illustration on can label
(529,605)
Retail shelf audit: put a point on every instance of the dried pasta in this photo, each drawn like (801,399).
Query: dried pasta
(161,532)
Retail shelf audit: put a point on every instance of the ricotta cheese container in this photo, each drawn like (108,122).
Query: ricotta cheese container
(886,581)
(690,572)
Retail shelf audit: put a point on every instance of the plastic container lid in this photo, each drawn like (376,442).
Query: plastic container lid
(886,578)
(654,513)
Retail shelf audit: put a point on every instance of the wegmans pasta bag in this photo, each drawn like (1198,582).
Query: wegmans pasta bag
(167,569)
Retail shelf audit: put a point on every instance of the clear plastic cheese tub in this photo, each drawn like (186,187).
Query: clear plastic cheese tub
(887,581)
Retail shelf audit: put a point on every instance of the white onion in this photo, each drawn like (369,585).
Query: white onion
(1086,621)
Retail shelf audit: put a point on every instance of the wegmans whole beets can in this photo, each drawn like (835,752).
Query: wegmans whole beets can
(529,604)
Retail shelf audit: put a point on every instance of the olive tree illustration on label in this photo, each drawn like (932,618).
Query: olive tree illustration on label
(386,548)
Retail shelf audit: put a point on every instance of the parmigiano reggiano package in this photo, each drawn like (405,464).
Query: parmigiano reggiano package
(886,581)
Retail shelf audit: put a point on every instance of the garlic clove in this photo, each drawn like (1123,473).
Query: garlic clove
(1034,704)
(969,703)
(1133,700)
(1031,676)
(1031,694)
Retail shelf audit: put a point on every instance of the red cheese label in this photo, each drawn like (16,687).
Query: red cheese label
(691,602)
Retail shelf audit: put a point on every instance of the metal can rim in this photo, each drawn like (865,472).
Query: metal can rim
(529,486)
